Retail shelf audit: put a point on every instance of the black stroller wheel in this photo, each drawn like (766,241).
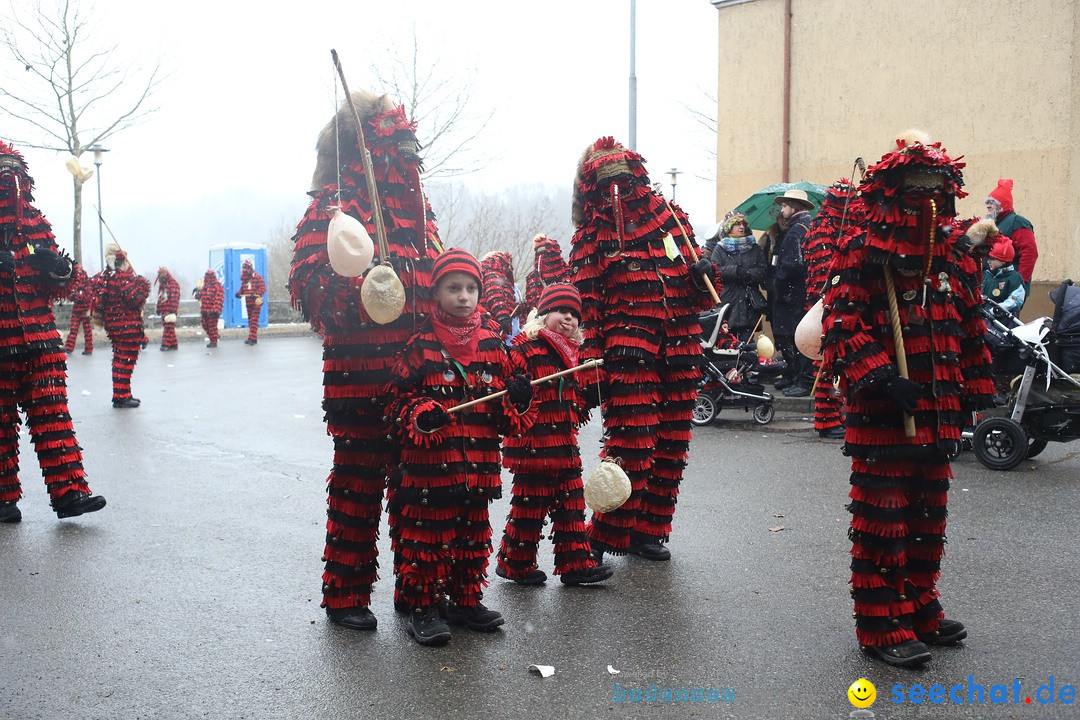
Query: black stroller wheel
(704,410)
(1000,443)
(1035,447)
(763,414)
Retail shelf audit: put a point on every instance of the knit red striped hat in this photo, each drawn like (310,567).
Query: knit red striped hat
(559,297)
(456,260)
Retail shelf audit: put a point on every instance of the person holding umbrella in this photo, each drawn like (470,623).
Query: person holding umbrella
(789,287)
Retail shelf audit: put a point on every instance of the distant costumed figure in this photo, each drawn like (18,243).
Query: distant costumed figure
(121,295)
(33,367)
(499,302)
(640,302)
(358,353)
(252,289)
(549,268)
(211,295)
(903,334)
(168,304)
(81,293)
(840,209)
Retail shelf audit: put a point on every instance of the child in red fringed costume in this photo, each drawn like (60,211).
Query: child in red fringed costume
(640,302)
(81,293)
(33,368)
(911,247)
(546,461)
(168,304)
(449,464)
(358,353)
(211,296)
(252,289)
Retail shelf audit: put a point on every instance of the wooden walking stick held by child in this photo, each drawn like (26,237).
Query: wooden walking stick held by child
(546,378)
(898,341)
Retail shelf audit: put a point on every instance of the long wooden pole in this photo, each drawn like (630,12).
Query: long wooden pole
(898,341)
(369,171)
(554,376)
(690,251)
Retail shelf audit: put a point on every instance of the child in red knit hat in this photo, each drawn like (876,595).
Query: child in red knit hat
(546,461)
(448,469)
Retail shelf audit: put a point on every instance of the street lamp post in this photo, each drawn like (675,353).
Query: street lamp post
(674,174)
(98,150)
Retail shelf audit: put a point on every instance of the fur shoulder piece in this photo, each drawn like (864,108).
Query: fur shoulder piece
(339,135)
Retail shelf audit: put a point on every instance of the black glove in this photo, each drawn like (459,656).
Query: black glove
(519,390)
(433,419)
(701,269)
(904,393)
(7,260)
(238,293)
(504,327)
(47,260)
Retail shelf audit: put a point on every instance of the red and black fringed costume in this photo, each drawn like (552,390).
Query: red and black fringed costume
(546,463)
(211,300)
(549,268)
(899,485)
(252,289)
(81,293)
(499,301)
(168,304)
(357,352)
(446,479)
(33,367)
(121,295)
(640,309)
(840,209)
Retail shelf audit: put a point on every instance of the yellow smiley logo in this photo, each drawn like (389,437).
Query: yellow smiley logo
(862,693)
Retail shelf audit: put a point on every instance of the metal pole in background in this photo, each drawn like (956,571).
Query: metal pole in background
(633,77)
(98,150)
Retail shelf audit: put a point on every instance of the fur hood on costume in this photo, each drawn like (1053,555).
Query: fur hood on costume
(387,131)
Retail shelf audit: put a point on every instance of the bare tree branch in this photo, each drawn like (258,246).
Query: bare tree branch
(67,87)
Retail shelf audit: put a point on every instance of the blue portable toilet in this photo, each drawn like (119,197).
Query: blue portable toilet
(226,260)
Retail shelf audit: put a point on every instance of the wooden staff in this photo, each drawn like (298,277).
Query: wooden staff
(898,341)
(690,250)
(369,172)
(584,366)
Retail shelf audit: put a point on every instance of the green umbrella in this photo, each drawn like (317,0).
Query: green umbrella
(758,207)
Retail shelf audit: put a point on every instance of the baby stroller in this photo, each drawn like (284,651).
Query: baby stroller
(1044,401)
(730,374)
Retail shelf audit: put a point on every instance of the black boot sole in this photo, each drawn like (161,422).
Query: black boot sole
(87,505)
(903,662)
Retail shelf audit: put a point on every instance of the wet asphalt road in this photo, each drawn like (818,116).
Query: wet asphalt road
(195,593)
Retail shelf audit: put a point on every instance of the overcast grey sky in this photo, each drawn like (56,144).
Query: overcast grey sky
(229,155)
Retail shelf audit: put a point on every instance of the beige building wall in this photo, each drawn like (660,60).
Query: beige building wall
(997,81)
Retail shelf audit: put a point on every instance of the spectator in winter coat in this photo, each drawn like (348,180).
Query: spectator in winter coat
(740,267)
(789,285)
(999,207)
